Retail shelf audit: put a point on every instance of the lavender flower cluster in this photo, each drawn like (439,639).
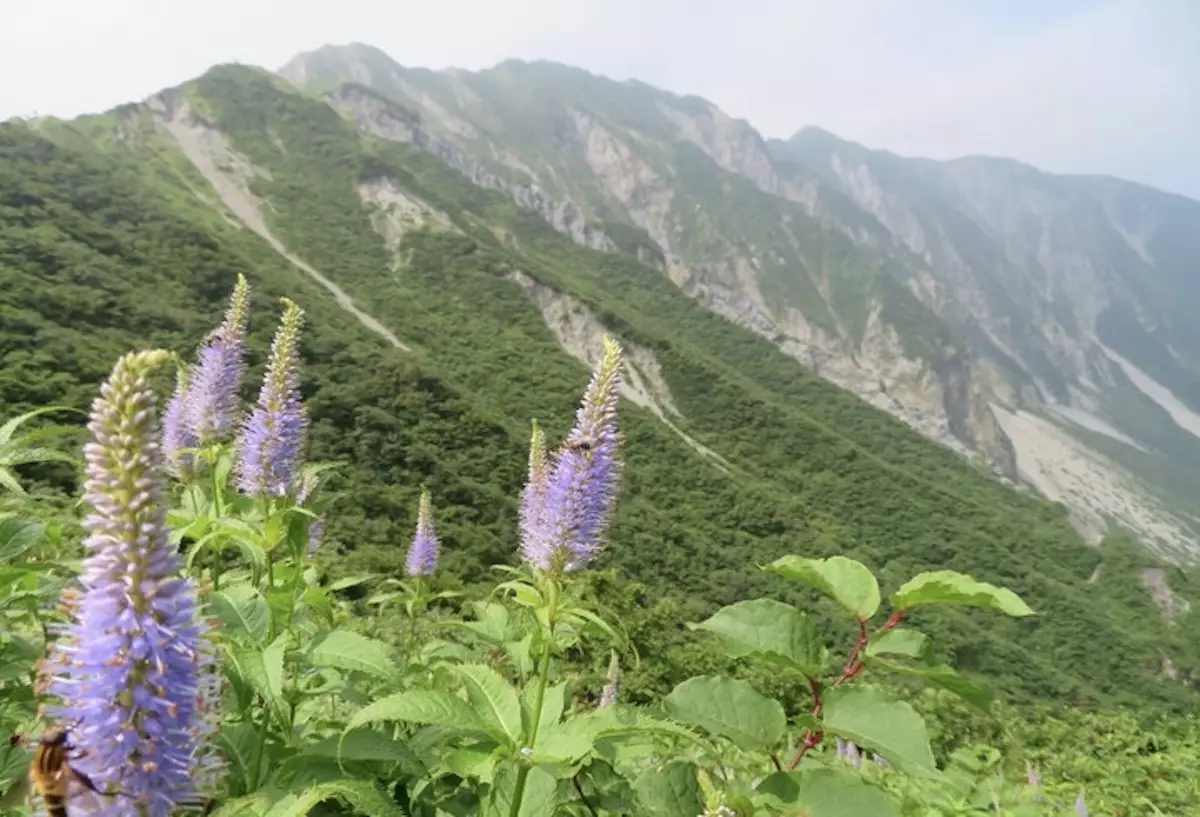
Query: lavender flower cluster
(132,674)
(568,501)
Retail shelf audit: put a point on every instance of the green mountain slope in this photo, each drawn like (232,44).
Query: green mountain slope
(112,234)
(979,300)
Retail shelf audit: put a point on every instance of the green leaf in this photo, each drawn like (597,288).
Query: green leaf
(350,651)
(248,614)
(872,718)
(672,791)
(538,799)
(771,630)
(951,587)
(553,704)
(494,699)
(945,677)
(366,744)
(826,793)
(900,641)
(562,743)
(363,796)
(420,706)
(729,708)
(17,536)
(846,581)
(263,669)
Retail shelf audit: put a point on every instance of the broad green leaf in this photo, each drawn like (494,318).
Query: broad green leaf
(945,677)
(255,804)
(562,743)
(238,743)
(18,536)
(352,581)
(263,669)
(538,799)
(729,708)
(494,699)
(553,704)
(951,587)
(900,641)
(365,744)
(672,791)
(872,718)
(472,761)
(350,651)
(827,793)
(771,630)
(420,706)
(846,581)
(249,614)
(365,797)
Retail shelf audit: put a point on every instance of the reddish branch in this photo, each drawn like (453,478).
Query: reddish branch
(854,665)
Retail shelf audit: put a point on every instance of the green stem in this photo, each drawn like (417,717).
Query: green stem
(219,506)
(543,677)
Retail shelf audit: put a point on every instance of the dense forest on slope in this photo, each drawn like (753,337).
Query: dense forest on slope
(104,246)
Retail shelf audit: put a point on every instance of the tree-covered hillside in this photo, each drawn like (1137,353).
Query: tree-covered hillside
(111,239)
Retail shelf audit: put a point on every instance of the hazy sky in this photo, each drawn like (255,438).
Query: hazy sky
(1109,86)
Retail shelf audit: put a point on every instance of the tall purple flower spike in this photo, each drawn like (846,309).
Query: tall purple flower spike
(178,437)
(568,503)
(271,445)
(204,407)
(1080,806)
(423,553)
(217,377)
(132,672)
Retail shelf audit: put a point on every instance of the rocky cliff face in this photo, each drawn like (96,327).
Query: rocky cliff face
(975,299)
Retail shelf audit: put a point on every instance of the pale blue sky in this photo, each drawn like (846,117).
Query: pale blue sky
(1110,86)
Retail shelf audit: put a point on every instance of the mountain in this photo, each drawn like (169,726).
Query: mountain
(1033,322)
(451,297)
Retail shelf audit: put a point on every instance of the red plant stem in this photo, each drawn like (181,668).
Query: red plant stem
(854,665)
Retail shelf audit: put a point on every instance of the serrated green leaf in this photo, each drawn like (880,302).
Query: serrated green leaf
(827,793)
(562,743)
(255,804)
(846,581)
(363,796)
(424,706)
(248,615)
(368,744)
(770,630)
(729,708)
(17,536)
(951,587)
(538,799)
(495,701)
(673,791)
(263,670)
(238,743)
(900,641)
(872,718)
(347,650)
(947,678)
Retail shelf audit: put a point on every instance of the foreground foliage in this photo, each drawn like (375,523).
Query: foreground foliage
(402,699)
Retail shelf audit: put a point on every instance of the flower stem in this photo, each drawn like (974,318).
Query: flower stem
(219,507)
(543,676)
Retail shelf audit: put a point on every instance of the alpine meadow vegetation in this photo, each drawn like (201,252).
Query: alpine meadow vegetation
(202,660)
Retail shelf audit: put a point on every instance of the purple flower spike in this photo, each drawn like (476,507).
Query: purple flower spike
(1081,807)
(568,504)
(271,445)
(214,384)
(423,554)
(129,673)
(177,435)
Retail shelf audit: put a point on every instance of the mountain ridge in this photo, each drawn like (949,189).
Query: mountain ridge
(940,363)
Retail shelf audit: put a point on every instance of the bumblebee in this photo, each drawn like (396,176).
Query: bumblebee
(51,774)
